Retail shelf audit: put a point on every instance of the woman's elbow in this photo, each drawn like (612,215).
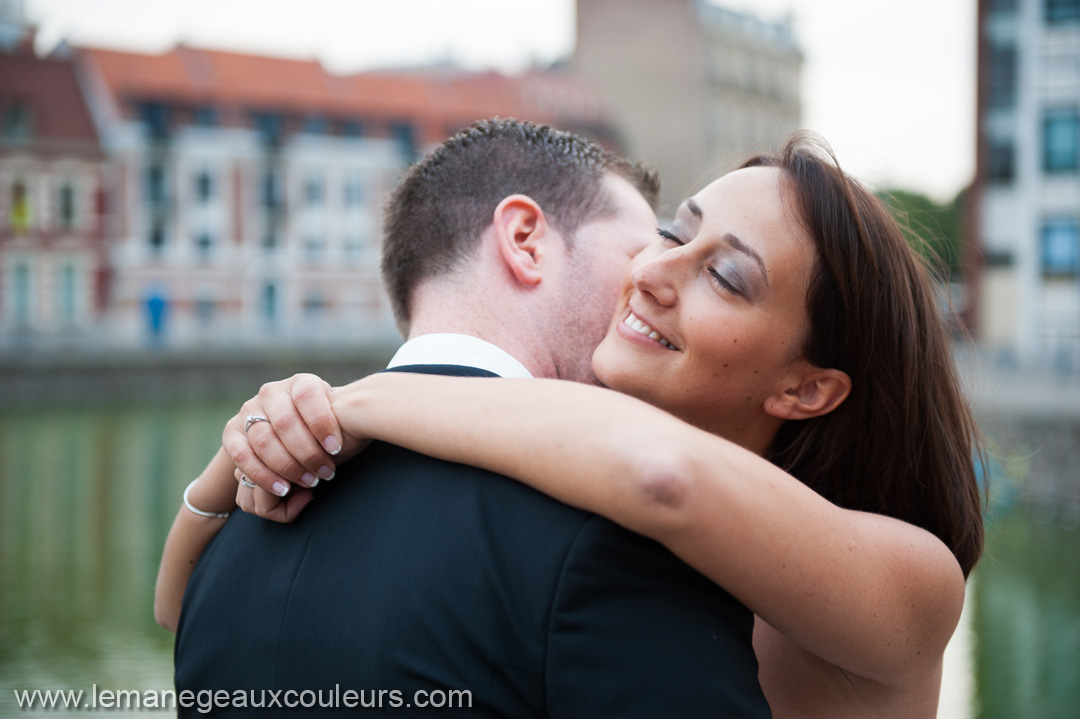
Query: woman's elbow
(663,485)
(166,615)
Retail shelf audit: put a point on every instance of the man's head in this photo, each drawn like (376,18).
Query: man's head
(524,186)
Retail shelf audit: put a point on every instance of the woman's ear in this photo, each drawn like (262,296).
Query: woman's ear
(817,392)
(520,228)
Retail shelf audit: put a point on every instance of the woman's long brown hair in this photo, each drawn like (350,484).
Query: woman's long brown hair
(903,443)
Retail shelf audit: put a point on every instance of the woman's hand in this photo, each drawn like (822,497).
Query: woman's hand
(287,435)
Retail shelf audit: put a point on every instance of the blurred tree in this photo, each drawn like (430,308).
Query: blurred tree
(934,230)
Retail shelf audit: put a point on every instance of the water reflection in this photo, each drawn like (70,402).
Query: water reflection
(1027,611)
(87,496)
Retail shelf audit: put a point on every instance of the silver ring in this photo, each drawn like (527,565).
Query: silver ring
(252,419)
(244,481)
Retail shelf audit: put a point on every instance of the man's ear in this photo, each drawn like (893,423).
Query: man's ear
(815,392)
(520,231)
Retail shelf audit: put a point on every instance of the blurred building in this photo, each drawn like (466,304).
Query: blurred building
(248,190)
(692,88)
(1027,187)
(53,262)
(246,198)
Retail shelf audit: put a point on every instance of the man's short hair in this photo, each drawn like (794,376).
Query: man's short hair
(443,203)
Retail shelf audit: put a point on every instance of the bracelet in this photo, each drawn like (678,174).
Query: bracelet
(199,512)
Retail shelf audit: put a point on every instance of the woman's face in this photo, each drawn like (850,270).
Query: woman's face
(713,321)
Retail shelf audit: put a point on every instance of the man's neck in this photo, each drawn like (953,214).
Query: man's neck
(485,329)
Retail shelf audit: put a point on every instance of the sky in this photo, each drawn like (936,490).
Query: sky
(891,85)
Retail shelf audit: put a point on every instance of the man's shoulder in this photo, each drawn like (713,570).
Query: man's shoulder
(452,492)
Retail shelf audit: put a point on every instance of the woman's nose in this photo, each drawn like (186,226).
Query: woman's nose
(657,277)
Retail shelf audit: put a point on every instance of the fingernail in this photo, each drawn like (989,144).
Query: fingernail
(331,445)
(308,479)
(325,472)
(281,489)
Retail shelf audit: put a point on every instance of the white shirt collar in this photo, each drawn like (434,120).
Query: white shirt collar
(455,349)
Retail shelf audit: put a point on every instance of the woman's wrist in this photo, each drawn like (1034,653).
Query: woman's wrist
(202,512)
(351,404)
(213,493)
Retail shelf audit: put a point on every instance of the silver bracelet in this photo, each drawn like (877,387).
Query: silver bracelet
(199,512)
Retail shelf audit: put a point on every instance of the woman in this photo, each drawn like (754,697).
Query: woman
(795,343)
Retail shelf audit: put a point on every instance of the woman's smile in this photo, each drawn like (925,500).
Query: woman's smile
(637,330)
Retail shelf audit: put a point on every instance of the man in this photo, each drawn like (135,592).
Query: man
(411,578)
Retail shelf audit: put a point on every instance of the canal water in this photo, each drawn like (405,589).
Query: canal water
(87,496)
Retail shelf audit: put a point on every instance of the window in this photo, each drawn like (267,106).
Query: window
(316,125)
(271,194)
(352,128)
(155,185)
(66,205)
(270,302)
(1062,11)
(204,186)
(155,119)
(16,122)
(1001,158)
(313,191)
(204,243)
(354,194)
(1061,247)
(269,125)
(21,216)
(1061,140)
(1002,5)
(205,116)
(1002,77)
(403,133)
(157,236)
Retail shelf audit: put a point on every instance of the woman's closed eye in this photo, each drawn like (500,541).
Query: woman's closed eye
(669,237)
(729,284)
(728,280)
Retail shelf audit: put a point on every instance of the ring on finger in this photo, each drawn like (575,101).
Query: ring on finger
(252,419)
(244,481)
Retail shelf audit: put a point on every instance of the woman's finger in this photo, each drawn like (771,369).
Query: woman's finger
(281,509)
(245,495)
(265,502)
(294,435)
(238,444)
(311,395)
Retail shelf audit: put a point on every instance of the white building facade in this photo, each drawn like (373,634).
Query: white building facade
(239,227)
(226,240)
(1028,181)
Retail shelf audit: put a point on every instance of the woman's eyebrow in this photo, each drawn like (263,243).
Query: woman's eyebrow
(732,240)
(739,245)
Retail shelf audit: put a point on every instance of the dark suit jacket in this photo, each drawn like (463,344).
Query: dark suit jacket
(409,574)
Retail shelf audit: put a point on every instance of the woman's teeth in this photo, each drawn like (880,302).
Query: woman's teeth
(638,326)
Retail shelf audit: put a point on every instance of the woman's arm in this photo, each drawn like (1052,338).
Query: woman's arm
(875,596)
(214,491)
